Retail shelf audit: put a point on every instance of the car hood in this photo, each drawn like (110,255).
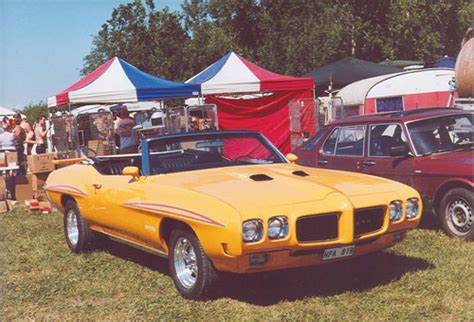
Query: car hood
(275,185)
(457,163)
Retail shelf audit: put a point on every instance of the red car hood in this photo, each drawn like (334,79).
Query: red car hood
(459,163)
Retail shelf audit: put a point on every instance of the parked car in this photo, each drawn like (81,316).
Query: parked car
(229,201)
(427,149)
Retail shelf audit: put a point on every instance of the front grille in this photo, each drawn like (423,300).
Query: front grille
(317,227)
(368,220)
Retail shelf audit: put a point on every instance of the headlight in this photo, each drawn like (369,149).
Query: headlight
(252,230)
(396,210)
(277,227)
(412,208)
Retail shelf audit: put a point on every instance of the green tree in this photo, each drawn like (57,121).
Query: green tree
(426,29)
(153,41)
(289,37)
(34,110)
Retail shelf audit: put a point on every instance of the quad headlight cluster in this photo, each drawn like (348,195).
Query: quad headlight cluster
(252,230)
(412,207)
(396,209)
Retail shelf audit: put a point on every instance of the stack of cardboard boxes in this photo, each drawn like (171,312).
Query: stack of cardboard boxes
(29,187)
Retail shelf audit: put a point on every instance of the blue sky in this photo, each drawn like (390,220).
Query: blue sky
(43,42)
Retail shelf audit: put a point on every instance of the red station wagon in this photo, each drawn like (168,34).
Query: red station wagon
(430,149)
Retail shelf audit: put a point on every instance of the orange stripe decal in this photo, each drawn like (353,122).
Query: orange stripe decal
(67,189)
(172,211)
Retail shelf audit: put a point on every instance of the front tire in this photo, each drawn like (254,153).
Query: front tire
(79,237)
(456,213)
(192,272)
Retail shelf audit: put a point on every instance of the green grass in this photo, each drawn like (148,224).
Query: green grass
(428,276)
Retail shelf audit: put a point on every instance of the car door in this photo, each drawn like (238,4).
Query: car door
(308,152)
(108,193)
(382,138)
(343,149)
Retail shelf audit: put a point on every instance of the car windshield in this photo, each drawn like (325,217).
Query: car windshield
(204,151)
(441,134)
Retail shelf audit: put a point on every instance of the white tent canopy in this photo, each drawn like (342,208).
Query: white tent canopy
(6,112)
(131,107)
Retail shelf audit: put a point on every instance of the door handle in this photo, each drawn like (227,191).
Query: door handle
(97,186)
(369,163)
(323,162)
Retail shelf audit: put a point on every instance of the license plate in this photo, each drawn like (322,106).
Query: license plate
(332,253)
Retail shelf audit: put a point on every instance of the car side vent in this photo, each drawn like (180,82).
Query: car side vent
(300,173)
(260,177)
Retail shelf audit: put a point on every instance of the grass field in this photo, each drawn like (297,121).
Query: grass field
(428,276)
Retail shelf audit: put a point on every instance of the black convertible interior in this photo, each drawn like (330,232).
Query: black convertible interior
(194,152)
(114,164)
(165,162)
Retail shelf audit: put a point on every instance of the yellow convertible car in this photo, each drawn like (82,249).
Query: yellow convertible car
(228,201)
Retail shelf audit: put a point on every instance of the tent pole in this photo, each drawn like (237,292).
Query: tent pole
(316,111)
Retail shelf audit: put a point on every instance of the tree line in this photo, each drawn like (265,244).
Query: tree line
(288,37)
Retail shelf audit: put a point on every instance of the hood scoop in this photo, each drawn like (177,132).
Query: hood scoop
(300,173)
(260,177)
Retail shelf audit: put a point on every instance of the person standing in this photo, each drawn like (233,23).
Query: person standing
(124,127)
(40,134)
(19,136)
(30,134)
(7,141)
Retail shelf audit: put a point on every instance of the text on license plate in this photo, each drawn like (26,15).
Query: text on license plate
(332,253)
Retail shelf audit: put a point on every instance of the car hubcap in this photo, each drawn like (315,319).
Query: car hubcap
(185,263)
(460,216)
(71,227)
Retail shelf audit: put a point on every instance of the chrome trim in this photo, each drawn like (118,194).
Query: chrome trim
(72,228)
(185,263)
(134,244)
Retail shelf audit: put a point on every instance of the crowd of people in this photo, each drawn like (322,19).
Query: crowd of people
(19,135)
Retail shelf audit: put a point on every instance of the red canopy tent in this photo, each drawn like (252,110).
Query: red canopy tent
(269,114)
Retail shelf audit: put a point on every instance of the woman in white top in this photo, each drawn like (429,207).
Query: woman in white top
(7,141)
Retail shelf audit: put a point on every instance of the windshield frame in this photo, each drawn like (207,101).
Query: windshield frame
(146,144)
(407,123)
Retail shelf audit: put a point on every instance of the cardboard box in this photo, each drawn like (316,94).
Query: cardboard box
(2,159)
(99,147)
(3,206)
(11,158)
(41,162)
(11,204)
(45,207)
(34,204)
(38,180)
(2,185)
(23,187)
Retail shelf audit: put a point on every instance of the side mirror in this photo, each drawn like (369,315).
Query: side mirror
(399,150)
(131,171)
(292,158)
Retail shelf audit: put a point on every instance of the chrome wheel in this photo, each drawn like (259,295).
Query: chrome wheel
(72,228)
(460,216)
(185,263)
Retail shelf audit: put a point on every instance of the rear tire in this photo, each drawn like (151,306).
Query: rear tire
(456,213)
(79,237)
(192,272)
